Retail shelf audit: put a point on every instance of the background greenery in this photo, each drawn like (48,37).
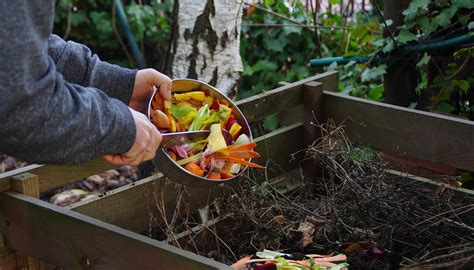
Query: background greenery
(273,53)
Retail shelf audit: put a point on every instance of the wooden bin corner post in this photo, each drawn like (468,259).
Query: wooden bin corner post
(28,184)
(312,96)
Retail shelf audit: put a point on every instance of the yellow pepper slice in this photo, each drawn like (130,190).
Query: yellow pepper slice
(194,95)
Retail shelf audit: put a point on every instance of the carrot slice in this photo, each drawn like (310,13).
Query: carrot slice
(194,168)
(244,154)
(243,161)
(242,147)
(214,176)
(172,155)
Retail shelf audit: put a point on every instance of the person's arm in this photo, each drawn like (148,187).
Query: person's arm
(43,118)
(78,65)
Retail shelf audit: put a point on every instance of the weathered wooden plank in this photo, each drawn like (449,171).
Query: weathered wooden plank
(419,134)
(281,99)
(53,176)
(313,110)
(140,201)
(277,149)
(26,183)
(75,241)
(459,190)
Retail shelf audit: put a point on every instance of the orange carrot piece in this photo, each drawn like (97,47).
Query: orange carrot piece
(243,161)
(214,176)
(172,155)
(244,154)
(225,175)
(157,102)
(242,147)
(194,168)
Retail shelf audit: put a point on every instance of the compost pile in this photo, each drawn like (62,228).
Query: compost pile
(91,187)
(378,221)
(8,163)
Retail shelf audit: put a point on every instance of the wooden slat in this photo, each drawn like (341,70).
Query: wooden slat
(281,99)
(26,183)
(128,206)
(276,150)
(418,134)
(53,176)
(74,241)
(459,190)
(313,110)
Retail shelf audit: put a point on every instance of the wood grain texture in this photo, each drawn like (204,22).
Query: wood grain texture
(53,176)
(26,183)
(283,98)
(313,110)
(75,241)
(418,134)
(131,207)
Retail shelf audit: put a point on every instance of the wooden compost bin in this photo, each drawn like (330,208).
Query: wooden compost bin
(102,233)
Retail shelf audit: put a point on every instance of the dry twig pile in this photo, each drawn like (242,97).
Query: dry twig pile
(379,221)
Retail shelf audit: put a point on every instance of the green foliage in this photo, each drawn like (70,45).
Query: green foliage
(91,23)
(454,92)
(271,55)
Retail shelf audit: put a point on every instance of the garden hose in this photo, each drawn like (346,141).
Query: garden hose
(128,34)
(403,51)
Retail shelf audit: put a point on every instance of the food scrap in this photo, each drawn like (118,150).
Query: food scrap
(272,260)
(227,149)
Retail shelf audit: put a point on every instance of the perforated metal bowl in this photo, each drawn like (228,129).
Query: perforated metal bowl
(170,168)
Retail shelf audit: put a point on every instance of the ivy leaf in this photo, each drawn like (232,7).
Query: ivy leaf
(271,122)
(445,107)
(461,84)
(376,93)
(370,74)
(248,71)
(426,26)
(411,11)
(423,61)
(442,20)
(269,2)
(450,11)
(264,65)
(389,47)
(470,26)
(332,66)
(463,3)
(271,45)
(405,36)
(78,17)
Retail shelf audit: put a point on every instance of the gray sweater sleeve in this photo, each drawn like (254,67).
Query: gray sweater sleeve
(78,65)
(44,118)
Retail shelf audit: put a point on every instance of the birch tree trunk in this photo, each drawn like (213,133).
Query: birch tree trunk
(206,43)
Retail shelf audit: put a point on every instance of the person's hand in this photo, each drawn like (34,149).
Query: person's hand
(145,82)
(147,141)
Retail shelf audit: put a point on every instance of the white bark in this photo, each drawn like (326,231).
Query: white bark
(208,42)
